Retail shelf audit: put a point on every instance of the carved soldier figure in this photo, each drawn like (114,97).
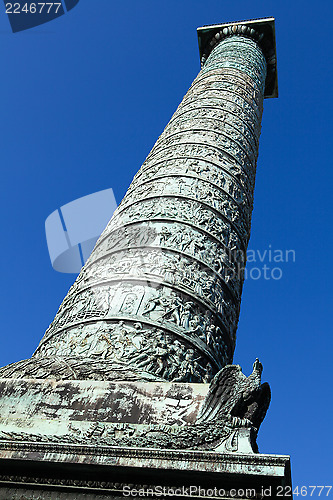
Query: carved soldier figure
(185,314)
(174,307)
(154,302)
(164,235)
(188,369)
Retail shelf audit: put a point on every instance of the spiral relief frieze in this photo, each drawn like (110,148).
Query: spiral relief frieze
(159,296)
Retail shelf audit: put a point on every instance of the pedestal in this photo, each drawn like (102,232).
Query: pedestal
(97,439)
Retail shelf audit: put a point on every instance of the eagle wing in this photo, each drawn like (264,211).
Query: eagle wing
(222,393)
(257,410)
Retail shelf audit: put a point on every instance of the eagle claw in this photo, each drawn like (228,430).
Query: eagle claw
(240,422)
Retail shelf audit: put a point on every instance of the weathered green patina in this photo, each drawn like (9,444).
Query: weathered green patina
(132,382)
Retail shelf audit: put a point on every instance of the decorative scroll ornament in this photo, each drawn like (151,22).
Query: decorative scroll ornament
(232,30)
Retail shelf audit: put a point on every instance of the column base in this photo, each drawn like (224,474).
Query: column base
(97,439)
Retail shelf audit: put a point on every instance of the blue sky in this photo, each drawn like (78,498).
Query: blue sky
(84,99)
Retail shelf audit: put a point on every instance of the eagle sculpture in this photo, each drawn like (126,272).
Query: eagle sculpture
(234,397)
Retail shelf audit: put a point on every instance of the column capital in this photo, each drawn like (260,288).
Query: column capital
(261,31)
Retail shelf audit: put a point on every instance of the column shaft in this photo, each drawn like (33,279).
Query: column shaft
(159,296)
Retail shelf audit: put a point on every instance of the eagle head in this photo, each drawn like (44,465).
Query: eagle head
(257,366)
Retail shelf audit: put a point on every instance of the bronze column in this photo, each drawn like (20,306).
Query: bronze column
(159,297)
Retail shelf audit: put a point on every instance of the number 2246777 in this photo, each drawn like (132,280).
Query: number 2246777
(33,8)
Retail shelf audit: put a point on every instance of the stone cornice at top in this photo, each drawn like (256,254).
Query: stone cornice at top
(260,30)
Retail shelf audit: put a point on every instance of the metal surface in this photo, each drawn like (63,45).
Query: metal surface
(159,296)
